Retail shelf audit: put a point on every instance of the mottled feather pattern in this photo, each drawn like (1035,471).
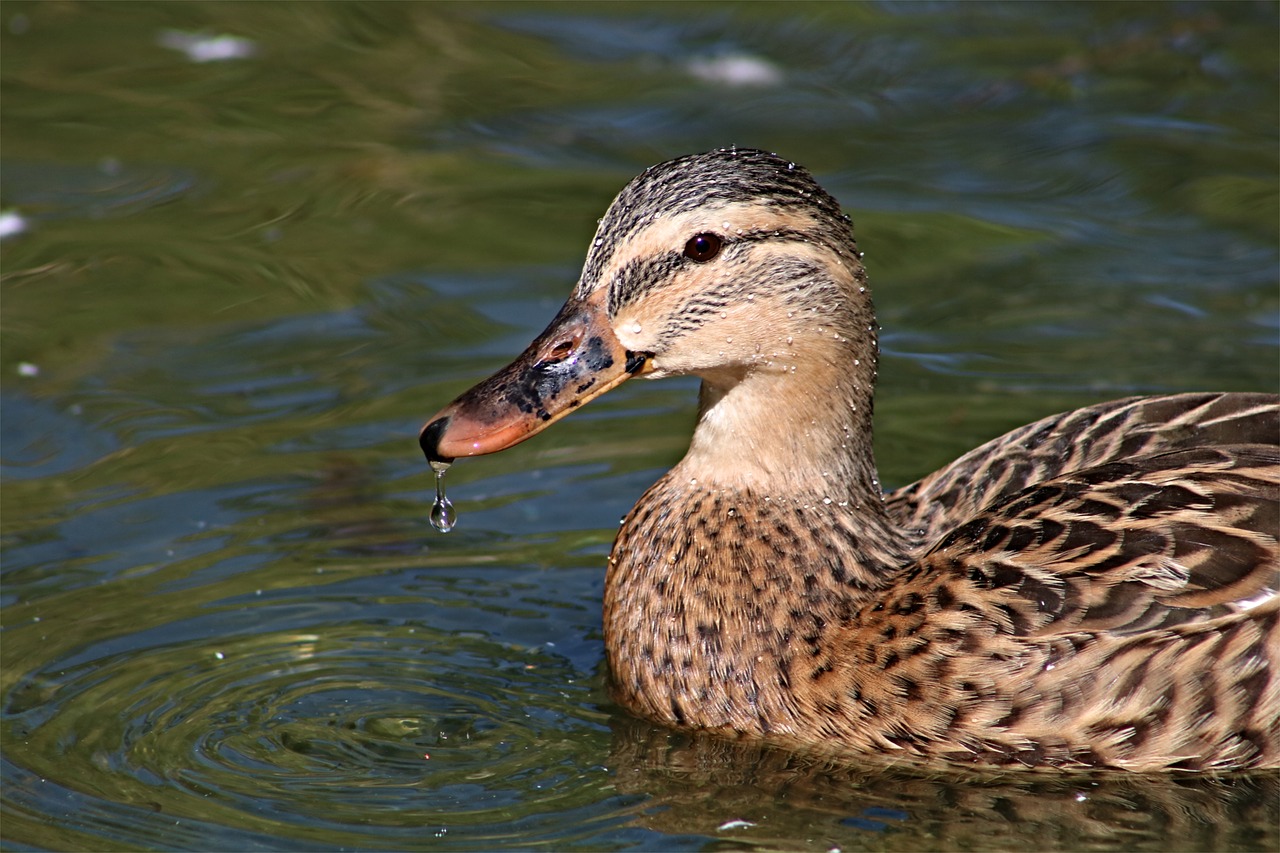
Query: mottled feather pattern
(1097,589)
(1073,440)
(1039,648)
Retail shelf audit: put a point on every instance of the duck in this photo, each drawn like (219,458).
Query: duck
(1095,590)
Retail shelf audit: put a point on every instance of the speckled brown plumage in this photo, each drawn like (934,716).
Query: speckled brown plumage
(1097,589)
(1091,619)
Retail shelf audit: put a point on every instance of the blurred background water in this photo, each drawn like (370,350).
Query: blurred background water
(248,248)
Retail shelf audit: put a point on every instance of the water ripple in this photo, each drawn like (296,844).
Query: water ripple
(318,729)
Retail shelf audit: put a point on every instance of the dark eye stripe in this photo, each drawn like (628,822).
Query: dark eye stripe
(765,235)
(640,275)
(644,274)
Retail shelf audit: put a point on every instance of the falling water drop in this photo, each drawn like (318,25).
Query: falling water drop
(443,515)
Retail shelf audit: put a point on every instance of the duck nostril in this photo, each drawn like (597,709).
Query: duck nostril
(560,350)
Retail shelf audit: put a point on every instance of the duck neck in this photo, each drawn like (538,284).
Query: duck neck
(731,572)
(796,428)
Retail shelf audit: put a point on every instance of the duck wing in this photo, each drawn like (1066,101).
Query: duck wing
(1071,441)
(1120,615)
(1178,537)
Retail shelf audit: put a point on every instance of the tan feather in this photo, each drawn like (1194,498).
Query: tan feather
(1096,589)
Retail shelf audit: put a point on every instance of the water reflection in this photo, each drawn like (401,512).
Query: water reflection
(793,801)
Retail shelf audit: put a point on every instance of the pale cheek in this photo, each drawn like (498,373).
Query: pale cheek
(630,332)
(637,326)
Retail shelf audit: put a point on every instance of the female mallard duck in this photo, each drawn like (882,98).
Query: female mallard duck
(1097,589)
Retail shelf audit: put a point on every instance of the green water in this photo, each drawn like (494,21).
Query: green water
(241,285)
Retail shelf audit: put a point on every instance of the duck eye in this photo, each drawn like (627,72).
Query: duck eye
(703,247)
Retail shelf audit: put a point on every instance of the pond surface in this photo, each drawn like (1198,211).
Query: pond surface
(251,247)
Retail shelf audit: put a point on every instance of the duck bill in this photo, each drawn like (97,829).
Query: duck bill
(575,360)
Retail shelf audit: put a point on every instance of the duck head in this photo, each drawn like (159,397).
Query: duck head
(733,265)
